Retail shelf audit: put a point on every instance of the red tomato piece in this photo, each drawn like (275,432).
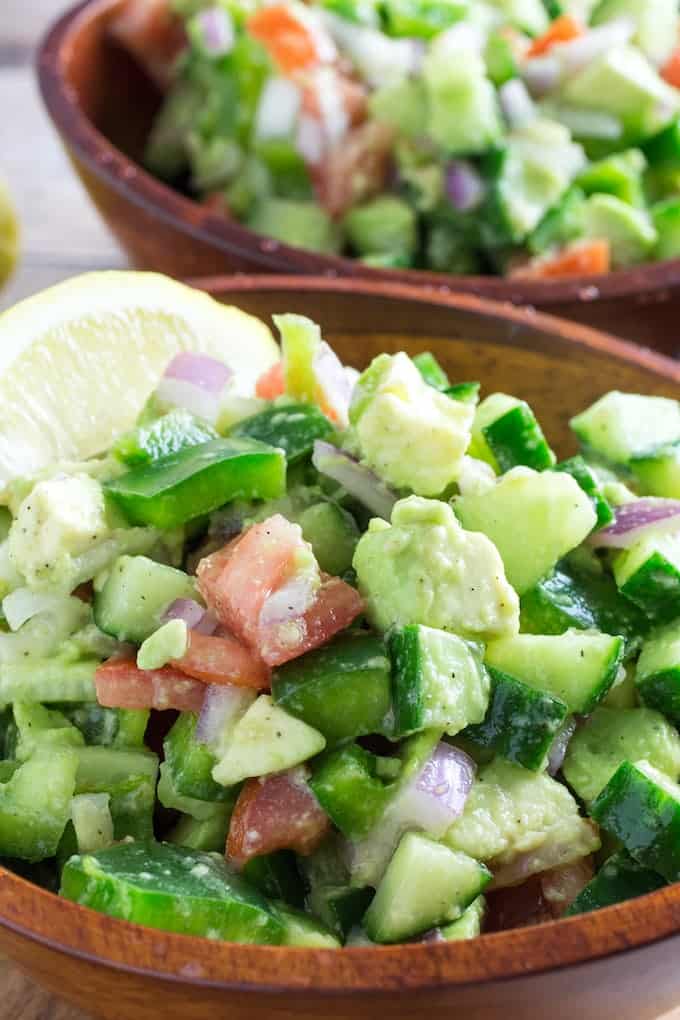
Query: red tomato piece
(671,69)
(120,683)
(355,169)
(587,258)
(271,383)
(337,605)
(153,34)
(222,659)
(563,29)
(287,40)
(277,812)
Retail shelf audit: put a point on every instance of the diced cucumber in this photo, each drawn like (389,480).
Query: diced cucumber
(168,434)
(299,929)
(457,80)
(657,676)
(170,797)
(276,876)
(91,817)
(333,535)
(561,224)
(293,427)
(38,727)
(130,779)
(169,887)
(534,519)
(190,763)
(666,220)
(621,426)
(340,907)
(342,689)
(648,573)
(437,681)
(303,224)
(663,149)
(630,231)
(402,103)
(500,59)
(612,736)
(468,925)
(35,804)
(266,739)
(135,594)
(384,226)
(209,834)
(505,433)
(425,885)
(108,727)
(48,680)
(620,878)
(521,723)
(586,478)
(641,807)
(577,666)
(619,175)
(657,24)
(431,371)
(350,788)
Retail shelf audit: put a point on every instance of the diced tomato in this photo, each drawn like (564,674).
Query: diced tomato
(588,258)
(119,683)
(84,591)
(287,40)
(210,567)
(355,169)
(275,812)
(671,69)
(271,383)
(336,605)
(563,29)
(153,34)
(222,660)
(259,562)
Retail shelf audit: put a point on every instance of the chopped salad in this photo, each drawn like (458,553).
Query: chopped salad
(533,138)
(354,660)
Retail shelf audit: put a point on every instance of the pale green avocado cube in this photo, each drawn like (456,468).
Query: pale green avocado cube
(630,231)
(384,226)
(266,739)
(92,821)
(168,642)
(620,426)
(612,736)
(425,568)
(302,930)
(657,23)
(455,80)
(426,884)
(521,823)
(533,519)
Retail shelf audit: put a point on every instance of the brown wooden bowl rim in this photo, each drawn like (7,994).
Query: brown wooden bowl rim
(70,929)
(125,176)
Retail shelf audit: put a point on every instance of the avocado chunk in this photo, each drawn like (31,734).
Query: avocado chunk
(300,223)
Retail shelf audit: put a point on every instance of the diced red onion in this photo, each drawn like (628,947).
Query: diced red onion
(464,186)
(436,796)
(516,103)
(331,377)
(331,103)
(194,615)
(217,31)
(542,75)
(309,141)
(638,519)
(578,53)
(277,109)
(559,747)
(357,479)
(223,706)
(200,370)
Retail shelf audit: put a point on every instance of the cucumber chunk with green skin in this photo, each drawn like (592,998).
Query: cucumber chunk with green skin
(621,426)
(135,595)
(467,392)
(172,888)
(576,666)
(342,689)
(62,678)
(619,175)
(629,230)
(292,427)
(533,518)
(421,19)
(612,736)
(200,479)
(658,473)
(666,220)
(656,23)
(276,876)
(340,907)
(170,797)
(108,727)
(349,787)
(35,804)
(641,807)
(560,225)
(333,535)
(40,728)
(425,885)
(507,429)
(581,471)
(469,925)
(437,681)
(620,878)
(648,573)
(384,226)
(129,777)
(301,223)
(657,676)
(663,149)
(431,371)
(168,434)
(190,763)
(299,929)
(571,598)
(521,723)
(208,834)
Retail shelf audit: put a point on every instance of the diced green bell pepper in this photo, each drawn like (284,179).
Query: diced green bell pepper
(276,876)
(619,175)
(421,19)
(190,763)
(292,427)
(168,434)
(199,479)
(348,785)
(431,371)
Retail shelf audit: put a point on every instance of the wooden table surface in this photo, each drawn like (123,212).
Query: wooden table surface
(61,236)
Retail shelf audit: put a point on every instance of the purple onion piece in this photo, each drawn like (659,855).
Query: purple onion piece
(436,796)
(516,103)
(200,370)
(217,31)
(542,75)
(223,705)
(358,480)
(463,185)
(184,609)
(635,520)
(559,746)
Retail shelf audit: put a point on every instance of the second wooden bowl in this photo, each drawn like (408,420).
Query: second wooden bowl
(102,106)
(617,964)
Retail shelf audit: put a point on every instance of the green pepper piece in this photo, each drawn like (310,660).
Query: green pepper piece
(276,876)
(663,149)
(619,175)
(174,431)
(342,689)
(292,427)
(172,888)
(205,833)
(466,392)
(431,371)
(107,727)
(129,777)
(348,785)
(190,763)
(199,479)
(620,878)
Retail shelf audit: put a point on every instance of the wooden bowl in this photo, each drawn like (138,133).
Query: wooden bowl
(618,963)
(102,106)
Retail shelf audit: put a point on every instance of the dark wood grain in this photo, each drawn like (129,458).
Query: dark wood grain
(618,964)
(102,107)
